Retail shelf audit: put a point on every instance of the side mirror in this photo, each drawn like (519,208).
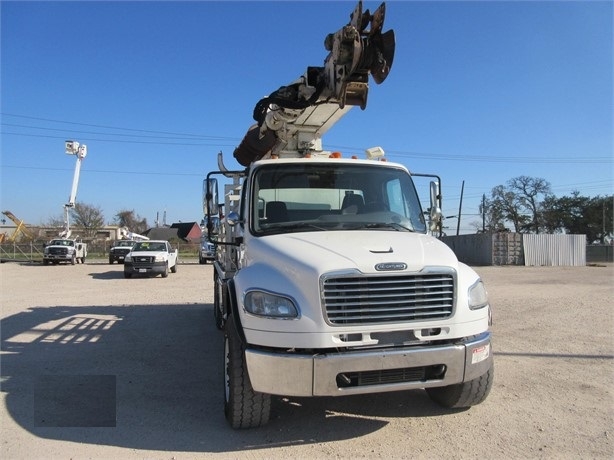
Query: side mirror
(232,218)
(435,211)
(210,197)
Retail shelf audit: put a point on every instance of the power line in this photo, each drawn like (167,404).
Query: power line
(90,139)
(201,136)
(105,134)
(102,171)
(534,159)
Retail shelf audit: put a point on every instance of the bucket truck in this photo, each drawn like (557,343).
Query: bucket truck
(328,279)
(66,249)
(122,247)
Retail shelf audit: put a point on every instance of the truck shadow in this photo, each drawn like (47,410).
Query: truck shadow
(150,377)
(117,273)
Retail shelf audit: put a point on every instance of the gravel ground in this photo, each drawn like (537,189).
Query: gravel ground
(97,366)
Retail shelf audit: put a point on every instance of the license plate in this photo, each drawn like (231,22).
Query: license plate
(142,270)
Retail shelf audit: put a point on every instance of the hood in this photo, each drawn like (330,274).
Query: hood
(343,250)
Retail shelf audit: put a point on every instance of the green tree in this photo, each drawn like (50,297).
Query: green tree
(576,214)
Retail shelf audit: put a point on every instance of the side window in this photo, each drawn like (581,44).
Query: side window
(395,197)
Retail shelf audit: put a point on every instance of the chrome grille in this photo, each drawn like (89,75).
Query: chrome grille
(388,299)
(58,251)
(142,260)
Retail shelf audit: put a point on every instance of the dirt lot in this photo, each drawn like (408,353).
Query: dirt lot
(140,360)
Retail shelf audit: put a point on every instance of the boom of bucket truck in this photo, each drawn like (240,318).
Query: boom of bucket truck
(80,151)
(327,279)
(66,249)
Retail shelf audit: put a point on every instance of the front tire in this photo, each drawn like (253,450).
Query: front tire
(243,407)
(465,394)
(73,260)
(174,268)
(165,272)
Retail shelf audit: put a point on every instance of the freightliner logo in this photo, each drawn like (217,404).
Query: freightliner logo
(390,266)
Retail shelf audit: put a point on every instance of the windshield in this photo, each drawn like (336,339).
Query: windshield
(149,246)
(62,243)
(291,197)
(124,243)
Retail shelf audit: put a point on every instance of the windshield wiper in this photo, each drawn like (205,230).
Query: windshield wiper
(382,225)
(282,227)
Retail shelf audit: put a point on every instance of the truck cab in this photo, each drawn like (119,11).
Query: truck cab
(329,283)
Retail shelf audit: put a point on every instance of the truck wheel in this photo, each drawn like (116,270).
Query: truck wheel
(127,275)
(45,262)
(82,260)
(165,272)
(201,261)
(73,260)
(110,261)
(465,394)
(243,407)
(174,268)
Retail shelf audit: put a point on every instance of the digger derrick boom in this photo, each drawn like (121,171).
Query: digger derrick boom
(292,119)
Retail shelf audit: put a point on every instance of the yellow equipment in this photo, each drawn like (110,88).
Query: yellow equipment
(20,229)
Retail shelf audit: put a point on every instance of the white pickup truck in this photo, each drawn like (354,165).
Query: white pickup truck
(64,250)
(153,257)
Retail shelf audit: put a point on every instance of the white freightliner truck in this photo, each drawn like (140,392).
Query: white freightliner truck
(328,281)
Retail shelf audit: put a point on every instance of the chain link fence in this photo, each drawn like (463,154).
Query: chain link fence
(33,251)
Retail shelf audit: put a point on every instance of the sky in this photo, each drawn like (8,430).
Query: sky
(479,93)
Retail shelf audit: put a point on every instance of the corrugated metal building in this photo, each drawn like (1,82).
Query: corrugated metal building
(554,250)
(508,248)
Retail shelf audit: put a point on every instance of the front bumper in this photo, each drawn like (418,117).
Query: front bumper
(60,257)
(118,255)
(371,371)
(154,268)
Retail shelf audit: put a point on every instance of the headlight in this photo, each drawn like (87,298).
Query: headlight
(160,258)
(478,297)
(71,250)
(128,258)
(266,304)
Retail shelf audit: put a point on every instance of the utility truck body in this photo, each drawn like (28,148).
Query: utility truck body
(64,250)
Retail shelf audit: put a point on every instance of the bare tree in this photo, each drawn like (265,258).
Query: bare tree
(54,221)
(87,217)
(508,205)
(132,221)
(527,191)
(493,217)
